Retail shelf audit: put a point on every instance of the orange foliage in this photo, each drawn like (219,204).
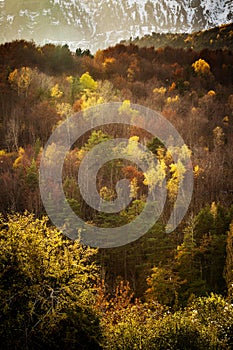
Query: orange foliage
(131,172)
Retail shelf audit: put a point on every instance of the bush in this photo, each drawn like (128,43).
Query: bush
(46,284)
(215,315)
(178,332)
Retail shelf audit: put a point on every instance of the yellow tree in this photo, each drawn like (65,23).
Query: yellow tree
(55,92)
(201,67)
(21,79)
(87,82)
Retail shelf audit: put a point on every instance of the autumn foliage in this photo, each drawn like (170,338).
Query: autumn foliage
(161,291)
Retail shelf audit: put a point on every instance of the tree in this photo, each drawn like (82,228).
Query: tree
(21,78)
(80,53)
(201,67)
(46,288)
(43,117)
(87,82)
(189,265)
(163,286)
(55,92)
(209,251)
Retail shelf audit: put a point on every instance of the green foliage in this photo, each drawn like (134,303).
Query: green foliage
(94,139)
(46,289)
(75,87)
(163,285)
(80,53)
(198,264)
(155,145)
(57,58)
(32,175)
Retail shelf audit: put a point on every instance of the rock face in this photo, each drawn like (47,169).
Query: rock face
(97,24)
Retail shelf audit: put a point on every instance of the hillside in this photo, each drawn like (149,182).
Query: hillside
(215,38)
(154,291)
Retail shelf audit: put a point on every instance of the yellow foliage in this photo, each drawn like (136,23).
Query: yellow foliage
(108,61)
(51,275)
(13,76)
(226,119)
(196,170)
(162,90)
(69,79)
(132,147)
(87,82)
(21,78)
(81,153)
(177,171)
(91,100)
(214,209)
(134,188)
(188,39)
(107,193)
(155,175)
(126,108)
(201,67)
(18,160)
(194,110)
(173,99)
(64,109)
(55,92)
(134,138)
(211,93)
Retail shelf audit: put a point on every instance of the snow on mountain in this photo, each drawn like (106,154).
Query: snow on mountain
(97,24)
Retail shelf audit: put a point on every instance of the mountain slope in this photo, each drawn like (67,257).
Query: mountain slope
(213,39)
(92,24)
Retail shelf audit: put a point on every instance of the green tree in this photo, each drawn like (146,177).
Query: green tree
(163,285)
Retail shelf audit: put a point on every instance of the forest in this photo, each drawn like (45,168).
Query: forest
(162,291)
(213,39)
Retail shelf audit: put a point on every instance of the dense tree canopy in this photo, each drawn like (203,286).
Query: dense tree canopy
(154,293)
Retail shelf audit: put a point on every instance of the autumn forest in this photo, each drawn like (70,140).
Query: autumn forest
(161,291)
